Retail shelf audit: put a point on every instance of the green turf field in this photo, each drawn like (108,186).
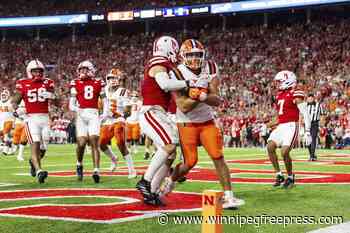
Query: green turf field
(304,200)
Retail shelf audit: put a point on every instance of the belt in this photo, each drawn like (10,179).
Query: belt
(194,124)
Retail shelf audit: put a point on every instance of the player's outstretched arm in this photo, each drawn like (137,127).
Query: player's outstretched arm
(164,81)
(16,100)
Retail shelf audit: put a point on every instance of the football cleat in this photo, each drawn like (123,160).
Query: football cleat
(80,173)
(154,199)
(146,156)
(289,183)
(182,179)
(144,187)
(96,177)
(32,168)
(279,180)
(20,158)
(42,175)
(232,203)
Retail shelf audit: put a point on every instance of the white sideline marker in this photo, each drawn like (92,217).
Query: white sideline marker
(340,228)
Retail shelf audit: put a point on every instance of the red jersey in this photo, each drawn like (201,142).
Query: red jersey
(286,107)
(87,91)
(32,94)
(152,94)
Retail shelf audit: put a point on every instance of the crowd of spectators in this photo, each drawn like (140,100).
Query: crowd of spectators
(248,57)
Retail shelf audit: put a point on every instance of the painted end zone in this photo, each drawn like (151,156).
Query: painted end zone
(130,209)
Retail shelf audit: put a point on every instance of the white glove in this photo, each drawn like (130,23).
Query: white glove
(307,139)
(48,95)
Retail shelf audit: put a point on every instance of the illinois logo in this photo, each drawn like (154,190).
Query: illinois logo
(130,207)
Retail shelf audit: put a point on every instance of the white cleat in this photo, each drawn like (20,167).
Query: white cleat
(132,175)
(113,167)
(232,203)
(167,187)
(20,158)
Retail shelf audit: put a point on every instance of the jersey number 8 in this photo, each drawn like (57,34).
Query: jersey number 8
(88,92)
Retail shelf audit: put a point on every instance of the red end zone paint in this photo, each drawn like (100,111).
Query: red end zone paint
(100,213)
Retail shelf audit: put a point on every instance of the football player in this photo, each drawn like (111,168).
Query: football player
(36,90)
(155,123)
(196,121)
(6,119)
(290,102)
(113,124)
(132,122)
(85,91)
(19,138)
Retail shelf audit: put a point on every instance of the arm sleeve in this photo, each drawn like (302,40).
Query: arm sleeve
(307,119)
(167,84)
(105,102)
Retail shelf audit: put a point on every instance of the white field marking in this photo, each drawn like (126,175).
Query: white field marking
(340,228)
(241,182)
(146,214)
(302,176)
(7,184)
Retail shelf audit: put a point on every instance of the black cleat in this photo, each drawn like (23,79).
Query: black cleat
(32,168)
(96,177)
(42,175)
(289,183)
(182,179)
(144,187)
(279,181)
(154,200)
(146,156)
(80,173)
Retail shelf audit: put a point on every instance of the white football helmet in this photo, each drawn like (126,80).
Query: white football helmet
(166,46)
(91,69)
(286,79)
(35,65)
(115,77)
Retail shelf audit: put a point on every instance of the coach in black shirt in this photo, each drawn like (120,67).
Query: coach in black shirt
(315,110)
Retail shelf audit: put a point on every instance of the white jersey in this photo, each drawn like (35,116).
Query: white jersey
(6,111)
(136,105)
(202,112)
(117,100)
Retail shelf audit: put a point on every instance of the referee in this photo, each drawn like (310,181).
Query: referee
(315,110)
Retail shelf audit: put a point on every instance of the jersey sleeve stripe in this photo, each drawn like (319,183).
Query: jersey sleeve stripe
(178,74)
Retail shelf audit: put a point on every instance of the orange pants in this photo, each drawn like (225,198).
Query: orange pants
(133,131)
(116,130)
(19,135)
(194,134)
(7,127)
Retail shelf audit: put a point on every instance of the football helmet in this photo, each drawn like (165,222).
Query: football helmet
(114,77)
(89,72)
(192,53)
(166,46)
(285,79)
(35,69)
(5,95)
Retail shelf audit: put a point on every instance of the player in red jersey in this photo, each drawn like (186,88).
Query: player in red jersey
(290,102)
(35,91)
(155,123)
(85,93)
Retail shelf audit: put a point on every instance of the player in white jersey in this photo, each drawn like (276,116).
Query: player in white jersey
(196,121)
(6,120)
(132,122)
(19,139)
(113,124)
